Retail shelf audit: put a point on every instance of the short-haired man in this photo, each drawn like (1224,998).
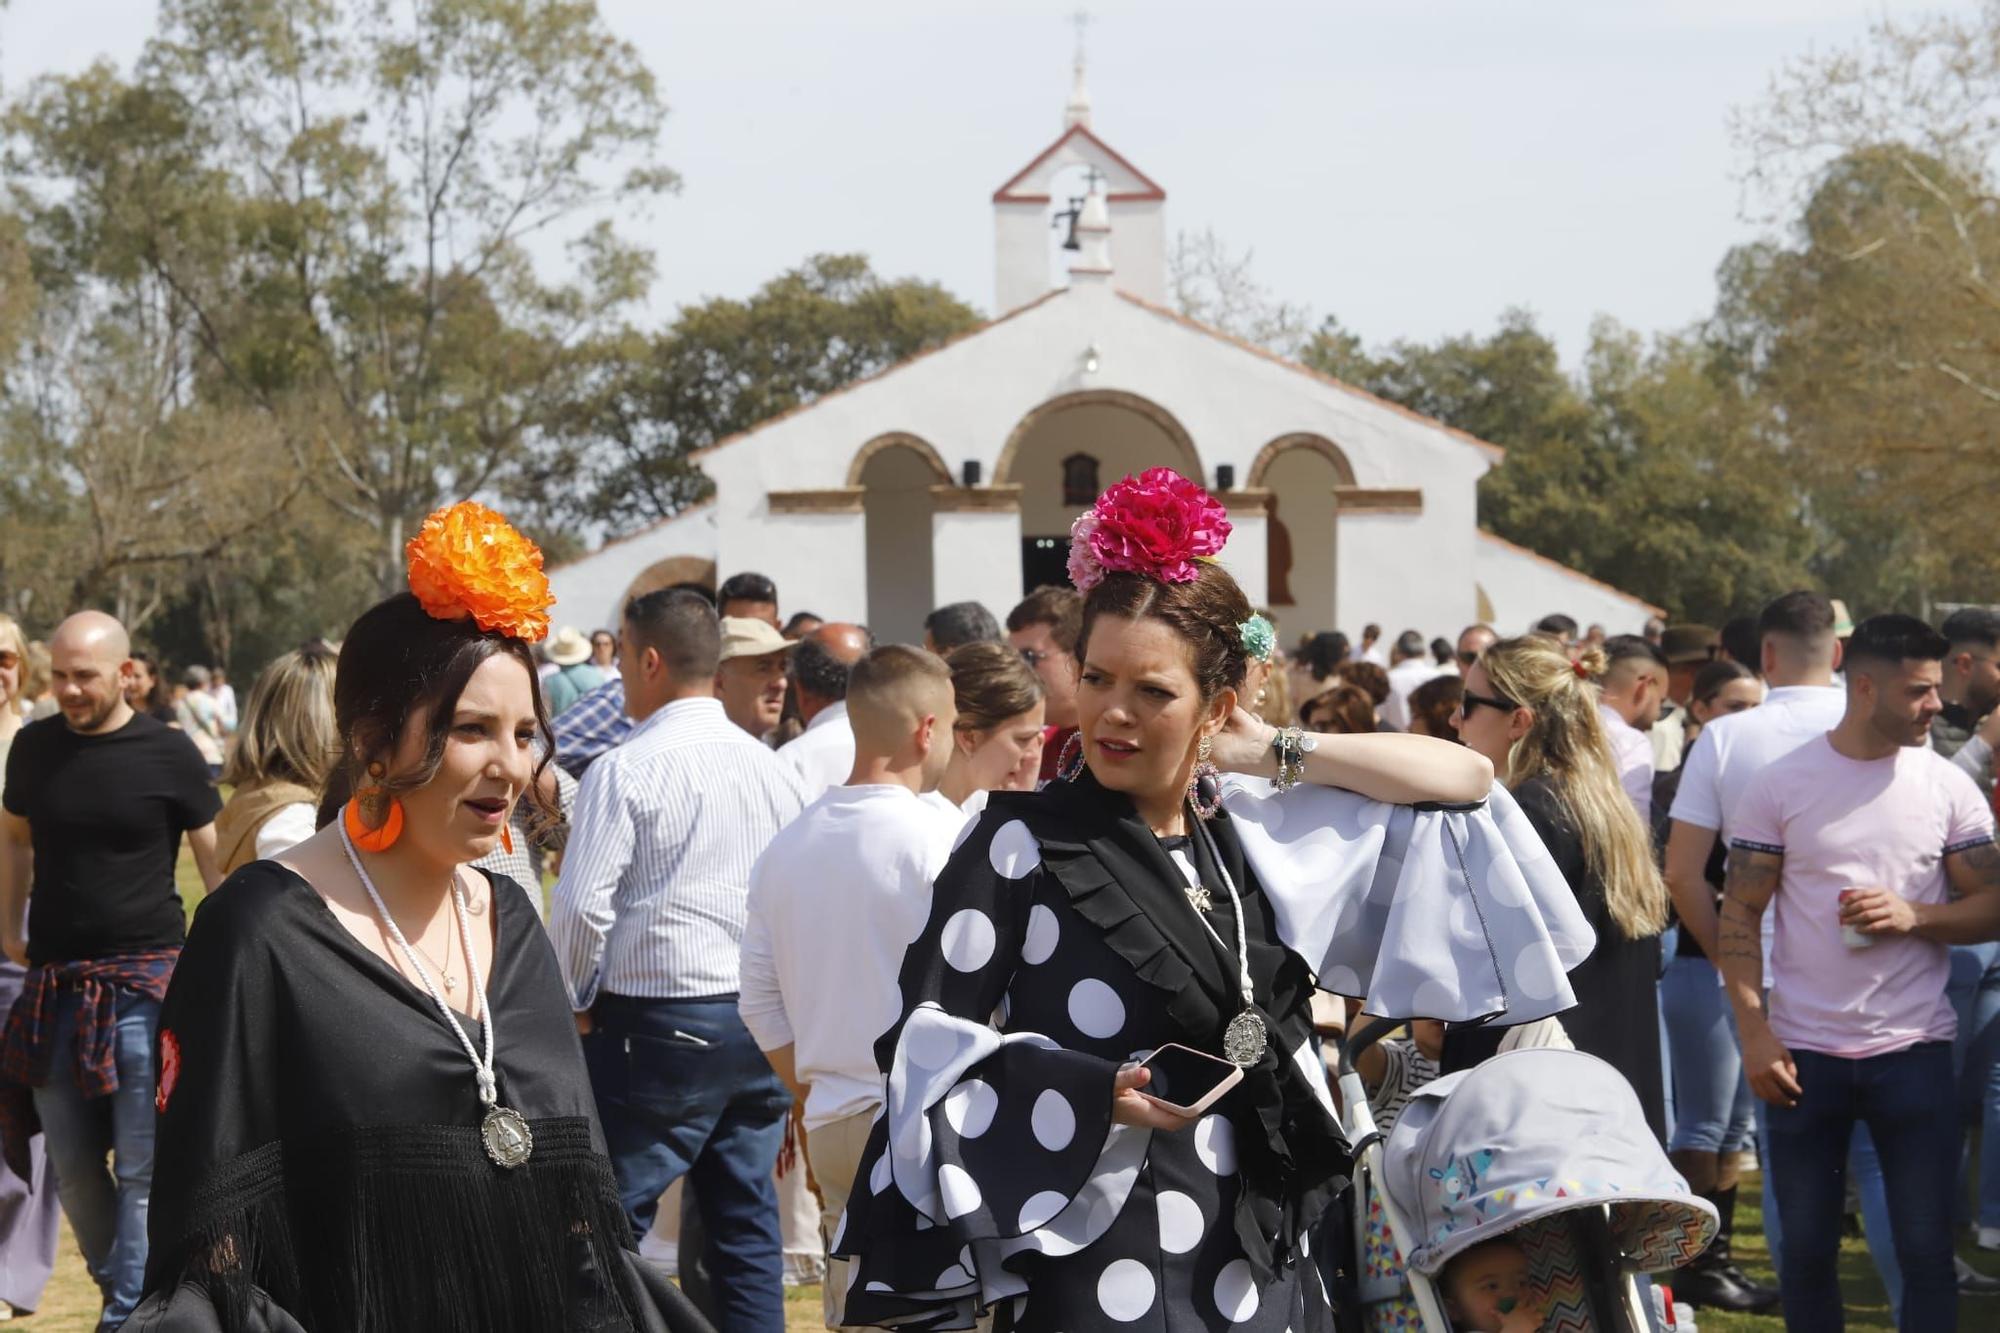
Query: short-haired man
(1877,853)
(1798,655)
(748,596)
(1370,647)
(1410,665)
(1970,691)
(604,651)
(647,922)
(835,902)
(1044,627)
(97,800)
(751,675)
(1472,641)
(1634,687)
(957,624)
(823,754)
(1559,627)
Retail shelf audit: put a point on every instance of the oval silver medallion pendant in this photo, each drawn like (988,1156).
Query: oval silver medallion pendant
(508,1139)
(1244,1040)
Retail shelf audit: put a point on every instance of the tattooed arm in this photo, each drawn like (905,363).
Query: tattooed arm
(1751,880)
(1972,917)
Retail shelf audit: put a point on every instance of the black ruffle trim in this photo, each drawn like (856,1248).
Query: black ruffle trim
(412,1227)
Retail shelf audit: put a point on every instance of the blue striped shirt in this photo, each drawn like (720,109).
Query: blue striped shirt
(664,833)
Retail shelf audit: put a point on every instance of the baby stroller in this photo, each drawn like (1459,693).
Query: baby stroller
(1548,1147)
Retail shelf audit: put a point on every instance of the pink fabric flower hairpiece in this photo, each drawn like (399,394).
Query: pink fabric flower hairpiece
(1156,524)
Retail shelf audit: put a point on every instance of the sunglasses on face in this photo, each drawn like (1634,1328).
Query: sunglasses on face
(9,659)
(1492,701)
(1034,657)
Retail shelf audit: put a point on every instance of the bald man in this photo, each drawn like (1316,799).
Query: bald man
(97,799)
(823,754)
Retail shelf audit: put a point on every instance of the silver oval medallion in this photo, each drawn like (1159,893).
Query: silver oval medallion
(508,1139)
(1244,1040)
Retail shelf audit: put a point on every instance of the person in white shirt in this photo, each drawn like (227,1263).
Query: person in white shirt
(647,922)
(1370,647)
(823,754)
(1410,666)
(1629,699)
(834,904)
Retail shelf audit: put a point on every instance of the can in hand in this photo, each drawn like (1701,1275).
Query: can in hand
(1849,935)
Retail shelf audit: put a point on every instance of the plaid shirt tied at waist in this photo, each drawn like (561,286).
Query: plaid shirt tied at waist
(27,1052)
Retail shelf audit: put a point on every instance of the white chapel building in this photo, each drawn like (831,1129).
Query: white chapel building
(955,475)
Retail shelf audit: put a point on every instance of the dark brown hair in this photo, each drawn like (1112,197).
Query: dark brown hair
(990,683)
(1433,702)
(1061,609)
(1353,711)
(1369,677)
(399,664)
(1207,614)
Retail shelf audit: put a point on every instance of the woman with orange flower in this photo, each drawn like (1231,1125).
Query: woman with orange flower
(373,1107)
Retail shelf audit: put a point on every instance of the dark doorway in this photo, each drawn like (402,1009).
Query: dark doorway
(1044,560)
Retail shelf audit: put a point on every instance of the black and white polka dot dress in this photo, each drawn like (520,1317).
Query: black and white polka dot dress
(1061,945)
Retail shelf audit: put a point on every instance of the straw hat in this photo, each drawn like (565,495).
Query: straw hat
(568,646)
(744,637)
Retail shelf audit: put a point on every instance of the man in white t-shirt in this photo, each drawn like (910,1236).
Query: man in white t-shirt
(1877,854)
(1410,667)
(834,903)
(1629,699)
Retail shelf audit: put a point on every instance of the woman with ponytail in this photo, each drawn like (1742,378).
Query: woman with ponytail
(1530,706)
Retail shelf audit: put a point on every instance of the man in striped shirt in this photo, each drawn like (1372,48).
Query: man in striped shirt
(647,922)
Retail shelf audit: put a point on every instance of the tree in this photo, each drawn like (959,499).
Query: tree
(1653,471)
(1873,325)
(1214,285)
(721,368)
(340,194)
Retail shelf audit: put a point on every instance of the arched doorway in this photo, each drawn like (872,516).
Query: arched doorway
(1099,435)
(896,473)
(1301,472)
(675,569)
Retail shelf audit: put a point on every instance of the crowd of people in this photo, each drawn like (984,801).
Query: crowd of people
(847,951)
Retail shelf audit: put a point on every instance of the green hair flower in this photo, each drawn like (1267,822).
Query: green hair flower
(1260,638)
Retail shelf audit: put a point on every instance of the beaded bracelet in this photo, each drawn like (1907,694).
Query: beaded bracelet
(1292,745)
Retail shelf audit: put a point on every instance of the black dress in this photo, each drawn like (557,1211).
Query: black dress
(1617,1013)
(1061,944)
(319,1162)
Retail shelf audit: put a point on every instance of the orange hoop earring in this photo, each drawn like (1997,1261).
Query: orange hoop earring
(379,804)
(507,838)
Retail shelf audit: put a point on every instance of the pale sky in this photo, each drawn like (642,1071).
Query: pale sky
(1412,167)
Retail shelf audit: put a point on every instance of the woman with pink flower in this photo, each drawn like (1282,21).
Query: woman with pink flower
(1028,1165)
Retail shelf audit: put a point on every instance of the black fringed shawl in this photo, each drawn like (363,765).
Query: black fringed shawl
(319,1148)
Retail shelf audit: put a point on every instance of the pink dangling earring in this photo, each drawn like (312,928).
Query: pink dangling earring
(1205,783)
(1069,764)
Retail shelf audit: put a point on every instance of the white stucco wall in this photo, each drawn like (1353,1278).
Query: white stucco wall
(977,558)
(589,591)
(1523,587)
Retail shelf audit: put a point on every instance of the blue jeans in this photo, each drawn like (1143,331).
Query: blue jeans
(1906,1100)
(1714,1109)
(106,1204)
(1975,993)
(683,1090)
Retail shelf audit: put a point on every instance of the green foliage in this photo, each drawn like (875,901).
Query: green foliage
(1653,470)
(719,369)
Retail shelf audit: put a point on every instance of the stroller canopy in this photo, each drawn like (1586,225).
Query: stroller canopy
(1529,1134)
(1449,912)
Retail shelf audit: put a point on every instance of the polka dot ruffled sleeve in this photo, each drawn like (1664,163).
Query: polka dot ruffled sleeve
(996,1145)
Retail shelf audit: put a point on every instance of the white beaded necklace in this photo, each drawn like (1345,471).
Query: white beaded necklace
(507,1137)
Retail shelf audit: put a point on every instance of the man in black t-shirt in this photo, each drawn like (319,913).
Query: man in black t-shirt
(96,801)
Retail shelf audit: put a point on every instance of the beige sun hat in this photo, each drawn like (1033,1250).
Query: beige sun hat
(568,646)
(744,637)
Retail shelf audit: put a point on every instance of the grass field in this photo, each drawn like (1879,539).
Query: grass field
(71,1306)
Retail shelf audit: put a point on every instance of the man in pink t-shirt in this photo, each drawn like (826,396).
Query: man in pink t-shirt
(1878,854)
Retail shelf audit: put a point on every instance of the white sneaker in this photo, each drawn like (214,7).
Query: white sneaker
(1989,1238)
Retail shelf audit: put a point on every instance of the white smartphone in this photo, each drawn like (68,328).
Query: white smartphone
(1186,1081)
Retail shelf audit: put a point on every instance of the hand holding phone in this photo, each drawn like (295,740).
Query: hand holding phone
(1185,1081)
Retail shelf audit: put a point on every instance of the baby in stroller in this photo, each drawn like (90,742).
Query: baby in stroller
(1527,1194)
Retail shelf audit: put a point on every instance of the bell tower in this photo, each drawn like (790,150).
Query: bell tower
(1126,200)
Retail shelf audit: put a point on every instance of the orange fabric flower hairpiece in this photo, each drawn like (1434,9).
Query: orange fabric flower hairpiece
(468,561)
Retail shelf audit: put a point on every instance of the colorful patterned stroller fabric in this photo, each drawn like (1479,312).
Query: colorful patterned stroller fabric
(1551,1148)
